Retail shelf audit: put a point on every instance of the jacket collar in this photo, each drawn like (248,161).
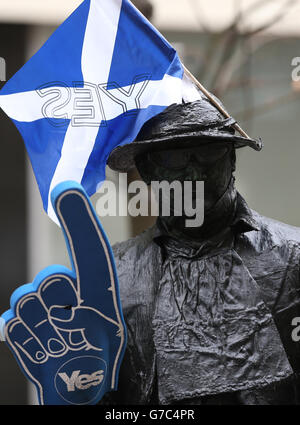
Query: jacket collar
(244,220)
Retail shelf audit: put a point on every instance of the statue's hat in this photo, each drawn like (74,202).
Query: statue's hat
(180,125)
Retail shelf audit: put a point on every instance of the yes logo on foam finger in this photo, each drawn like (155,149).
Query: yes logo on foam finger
(66,329)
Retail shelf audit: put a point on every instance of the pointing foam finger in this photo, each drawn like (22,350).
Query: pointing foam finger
(88,246)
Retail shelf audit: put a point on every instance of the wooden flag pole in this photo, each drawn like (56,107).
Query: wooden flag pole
(213,101)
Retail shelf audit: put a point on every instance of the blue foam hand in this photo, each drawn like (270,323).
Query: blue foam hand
(66,329)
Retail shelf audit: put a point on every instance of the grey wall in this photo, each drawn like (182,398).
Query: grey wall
(271,178)
(12,216)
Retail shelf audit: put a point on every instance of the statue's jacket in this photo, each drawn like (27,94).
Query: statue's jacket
(214,324)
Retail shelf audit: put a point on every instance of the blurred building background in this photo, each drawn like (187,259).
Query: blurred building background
(241,50)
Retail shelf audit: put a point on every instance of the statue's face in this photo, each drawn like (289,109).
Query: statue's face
(211,162)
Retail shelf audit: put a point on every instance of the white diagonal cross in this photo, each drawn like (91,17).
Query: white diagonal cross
(97,53)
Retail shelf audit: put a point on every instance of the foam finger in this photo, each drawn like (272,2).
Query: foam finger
(58,290)
(33,314)
(24,344)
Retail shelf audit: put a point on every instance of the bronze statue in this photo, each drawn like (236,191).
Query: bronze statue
(208,310)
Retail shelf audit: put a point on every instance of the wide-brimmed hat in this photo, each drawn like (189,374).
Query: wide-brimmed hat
(180,125)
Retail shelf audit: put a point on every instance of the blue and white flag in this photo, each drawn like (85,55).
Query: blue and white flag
(101,75)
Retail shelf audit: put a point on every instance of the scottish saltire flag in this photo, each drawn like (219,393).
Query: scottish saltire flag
(101,75)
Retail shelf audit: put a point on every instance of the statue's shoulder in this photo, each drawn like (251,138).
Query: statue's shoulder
(271,239)
(132,248)
(135,254)
(136,261)
(276,231)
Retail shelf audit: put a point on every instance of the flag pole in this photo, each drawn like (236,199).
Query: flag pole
(213,101)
